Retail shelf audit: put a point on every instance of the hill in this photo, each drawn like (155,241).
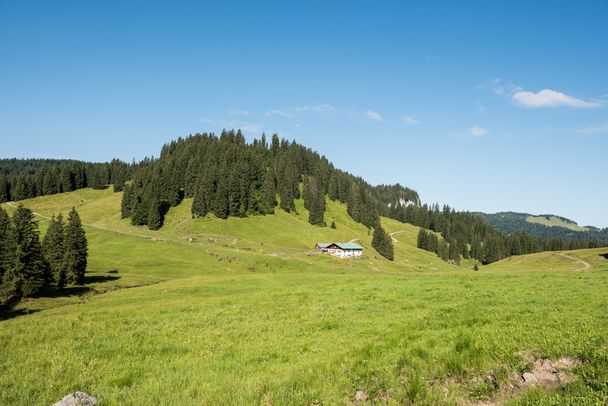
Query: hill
(546,226)
(236,311)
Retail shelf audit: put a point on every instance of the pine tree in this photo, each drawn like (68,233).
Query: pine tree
(125,203)
(75,256)
(383,243)
(6,239)
(269,192)
(333,224)
(155,217)
(4,189)
(54,250)
(422,240)
(27,273)
(443,250)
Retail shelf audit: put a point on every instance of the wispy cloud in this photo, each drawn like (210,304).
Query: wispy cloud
(409,120)
(547,98)
(600,129)
(278,113)
(315,108)
(476,132)
(235,112)
(373,115)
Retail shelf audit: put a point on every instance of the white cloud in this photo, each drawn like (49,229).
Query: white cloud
(600,129)
(409,120)
(236,112)
(548,98)
(477,132)
(278,113)
(315,108)
(372,115)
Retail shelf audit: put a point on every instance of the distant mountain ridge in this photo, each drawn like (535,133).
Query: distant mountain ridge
(545,226)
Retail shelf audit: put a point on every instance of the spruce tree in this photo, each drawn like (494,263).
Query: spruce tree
(6,240)
(75,256)
(4,189)
(333,224)
(382,242)
(443,250)
(155,217)
(27,272)
(54,250)
(422,240)
(269,192)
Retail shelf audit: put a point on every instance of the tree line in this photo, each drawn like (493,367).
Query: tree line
(29,266)
(26,178)
(466,235)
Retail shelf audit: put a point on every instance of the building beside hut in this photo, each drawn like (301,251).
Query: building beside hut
(341,249)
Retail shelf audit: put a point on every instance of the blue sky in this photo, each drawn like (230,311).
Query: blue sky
(486,106)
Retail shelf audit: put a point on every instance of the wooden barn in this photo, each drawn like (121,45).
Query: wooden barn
(341,249)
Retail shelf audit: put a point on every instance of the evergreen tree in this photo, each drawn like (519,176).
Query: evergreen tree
(383,243)
(75,256)
(27,272)
(155,217)
(269,192)
(4,189)
(54,251)
(443,250)
(333,224)
(422,239)
(6,240)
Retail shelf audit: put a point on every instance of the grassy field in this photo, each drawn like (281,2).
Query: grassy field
(553,221)
(238,311)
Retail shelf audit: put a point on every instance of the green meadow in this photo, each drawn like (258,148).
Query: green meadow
(243,312)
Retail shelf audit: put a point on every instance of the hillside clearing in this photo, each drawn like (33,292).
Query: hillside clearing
(211,318)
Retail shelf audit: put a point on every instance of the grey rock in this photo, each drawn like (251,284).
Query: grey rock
(77,399)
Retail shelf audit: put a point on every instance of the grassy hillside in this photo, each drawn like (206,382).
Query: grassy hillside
(544,226)
(237,311)
(555,221)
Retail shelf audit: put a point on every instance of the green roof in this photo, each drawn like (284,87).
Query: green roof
(343,245)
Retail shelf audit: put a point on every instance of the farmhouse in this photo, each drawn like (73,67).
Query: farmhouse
(341,249)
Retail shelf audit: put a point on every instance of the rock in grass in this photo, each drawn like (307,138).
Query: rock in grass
(361,396)
(77,399)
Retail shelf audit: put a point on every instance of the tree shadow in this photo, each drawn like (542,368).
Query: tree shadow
(604,255)
(6,314)
(65,292)
(99,278)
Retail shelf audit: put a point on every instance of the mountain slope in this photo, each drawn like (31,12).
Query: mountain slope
(543,226)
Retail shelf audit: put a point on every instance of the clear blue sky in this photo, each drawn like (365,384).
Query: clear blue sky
(492,106)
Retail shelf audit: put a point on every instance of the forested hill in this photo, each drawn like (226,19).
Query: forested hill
(226,176)
(544,226)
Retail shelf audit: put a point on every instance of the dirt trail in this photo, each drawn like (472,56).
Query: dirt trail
(396,232)
(586,265)
(147,237)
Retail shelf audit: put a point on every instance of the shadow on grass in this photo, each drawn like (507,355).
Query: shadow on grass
(604,255)
(99,278)
(6,314)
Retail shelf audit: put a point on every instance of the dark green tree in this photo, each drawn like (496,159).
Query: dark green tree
(6,242)
(422,239)
(54,250)
(155,216)
(27,273)
(383,243)
(76,249)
